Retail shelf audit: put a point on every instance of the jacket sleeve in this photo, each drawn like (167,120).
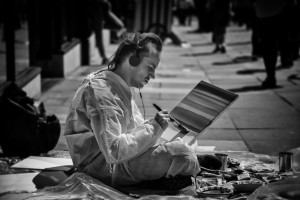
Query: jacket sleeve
(118,146)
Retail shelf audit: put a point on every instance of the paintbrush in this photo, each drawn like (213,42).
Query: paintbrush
(181,127)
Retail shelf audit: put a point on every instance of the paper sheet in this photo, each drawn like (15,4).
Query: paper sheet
(13,182)
(36,162)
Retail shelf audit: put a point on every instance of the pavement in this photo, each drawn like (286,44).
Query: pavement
(264,121)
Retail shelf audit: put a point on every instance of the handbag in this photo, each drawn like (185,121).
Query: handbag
(26,129)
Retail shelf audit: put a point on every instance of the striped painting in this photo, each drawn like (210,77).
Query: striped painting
(199,109)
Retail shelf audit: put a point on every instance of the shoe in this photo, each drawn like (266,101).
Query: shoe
(269,83)
(216,50)
(222,49)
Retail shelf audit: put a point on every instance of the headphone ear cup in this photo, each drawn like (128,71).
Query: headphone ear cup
(134,60)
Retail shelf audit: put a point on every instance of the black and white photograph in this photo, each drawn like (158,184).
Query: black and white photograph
(150,99)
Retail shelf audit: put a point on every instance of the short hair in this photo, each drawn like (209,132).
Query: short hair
(142,44)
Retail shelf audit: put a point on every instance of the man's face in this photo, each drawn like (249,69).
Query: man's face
(142,73)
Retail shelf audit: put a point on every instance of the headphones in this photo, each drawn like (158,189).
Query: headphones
(134,59)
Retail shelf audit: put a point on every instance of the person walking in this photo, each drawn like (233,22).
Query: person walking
(220,14)
(273,26)
(97,12)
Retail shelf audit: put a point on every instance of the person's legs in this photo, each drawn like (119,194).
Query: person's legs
(269,48)
(294,36)
(295,47)
(219,39)
(164,161)
(97,24)
(284,21)
(99,43)
(181,17)
(219,26)
(115,25)
(256,39)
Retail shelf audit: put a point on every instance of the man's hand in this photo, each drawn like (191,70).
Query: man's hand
(162,118)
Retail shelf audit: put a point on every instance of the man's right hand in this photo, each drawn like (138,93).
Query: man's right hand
(162,118)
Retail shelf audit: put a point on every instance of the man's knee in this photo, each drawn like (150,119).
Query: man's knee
(185,165)
(184,160)
(179,148)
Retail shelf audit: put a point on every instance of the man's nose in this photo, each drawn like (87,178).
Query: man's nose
(152,75)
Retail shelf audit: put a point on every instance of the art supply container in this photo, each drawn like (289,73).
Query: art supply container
(285,162)
(223,158)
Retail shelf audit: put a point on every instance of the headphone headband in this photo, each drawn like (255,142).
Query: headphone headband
(135,60)
(136,39)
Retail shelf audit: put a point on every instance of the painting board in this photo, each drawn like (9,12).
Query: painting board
(198,110)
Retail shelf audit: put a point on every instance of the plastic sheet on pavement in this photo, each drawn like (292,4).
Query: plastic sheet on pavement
(82,186)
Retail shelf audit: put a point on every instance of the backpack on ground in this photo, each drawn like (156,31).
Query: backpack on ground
(26,129)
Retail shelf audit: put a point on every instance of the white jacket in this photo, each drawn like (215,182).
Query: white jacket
(103,118)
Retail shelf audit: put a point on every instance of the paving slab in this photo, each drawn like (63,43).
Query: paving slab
(293,99)
(250,118)
(57,109)
(223,145)
(271,147)
(239,85)
(266,100)
(220,134)
(284,134)
(223,122)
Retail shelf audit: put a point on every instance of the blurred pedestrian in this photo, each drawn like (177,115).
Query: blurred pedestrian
(273,22)
(244,14)
(119,9)
(202,16)
(294,28)
(102,17)
(220,10)
(97,10)
(184,11)
(256,40)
